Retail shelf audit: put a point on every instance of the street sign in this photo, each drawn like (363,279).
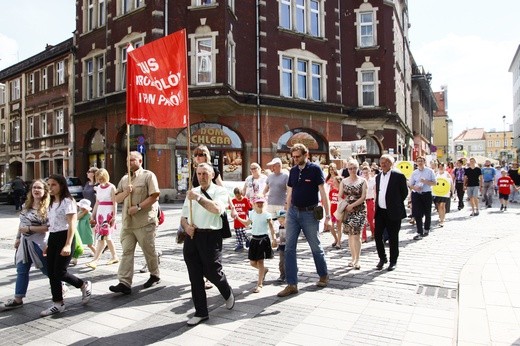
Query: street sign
(459,147)
(140,139)
(141,148)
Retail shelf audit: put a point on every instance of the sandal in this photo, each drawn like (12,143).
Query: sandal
(333,244)
(91,265)
(338,247)
(357,267)
(350,264)
(113,261)
(257,289)
(207,285)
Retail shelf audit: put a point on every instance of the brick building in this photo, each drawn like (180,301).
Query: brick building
(36,129)
(260,79)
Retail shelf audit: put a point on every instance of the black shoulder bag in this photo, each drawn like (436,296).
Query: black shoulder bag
(226,231)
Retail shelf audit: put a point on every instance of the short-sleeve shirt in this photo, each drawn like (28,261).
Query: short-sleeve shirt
(488,174)
(259,224)
(426,174)
(305,184)
(58,212)
(277,188)
(242,208)
(473,175)
(504,185)
(202,218)
(144,184)
(255,186)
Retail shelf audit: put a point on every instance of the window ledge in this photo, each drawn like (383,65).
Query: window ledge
(301,34)
(203,7)
(358,48)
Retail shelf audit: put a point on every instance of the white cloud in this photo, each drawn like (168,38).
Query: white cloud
(476,72)
(8,51)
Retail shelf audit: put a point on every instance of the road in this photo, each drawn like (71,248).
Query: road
(459,286)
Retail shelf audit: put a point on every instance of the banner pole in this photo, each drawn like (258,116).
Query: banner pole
(128,161)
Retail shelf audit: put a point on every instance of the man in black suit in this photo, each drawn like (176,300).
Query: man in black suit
(391,192)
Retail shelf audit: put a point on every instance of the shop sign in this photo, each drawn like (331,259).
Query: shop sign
(210,136)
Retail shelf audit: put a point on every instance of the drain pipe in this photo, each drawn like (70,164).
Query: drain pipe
(258,113)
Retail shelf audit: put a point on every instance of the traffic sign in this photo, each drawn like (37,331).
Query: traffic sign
(140,139)
(141,148)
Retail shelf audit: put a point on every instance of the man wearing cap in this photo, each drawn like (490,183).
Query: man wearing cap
(305,185)
(276,187)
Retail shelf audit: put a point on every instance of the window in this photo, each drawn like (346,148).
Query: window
(204,61)
(44,80)
(497,144)
(101,15)
(304,16)
(505,143)
(368,86)
(100,63)
(366,25)
(287,73)
(15,89)
(30,127)
(130,5)
(95,77)
(15,130)
(123,56)
(90,15)
(95,14)
(366,29)
(43,124)
(301,78)
(30,84)
(60,72)
(59,121)
(3,134)
(368,82)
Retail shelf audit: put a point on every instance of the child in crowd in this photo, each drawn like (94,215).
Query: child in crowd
(260,246)
(333,198)
(505,184)
(280,216)
(242,207)
(84,228)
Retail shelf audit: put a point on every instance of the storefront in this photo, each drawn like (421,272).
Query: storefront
(225,145)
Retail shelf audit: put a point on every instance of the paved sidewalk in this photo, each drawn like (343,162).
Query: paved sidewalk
(460,285)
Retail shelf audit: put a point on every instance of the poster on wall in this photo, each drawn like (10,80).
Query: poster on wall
(347,149)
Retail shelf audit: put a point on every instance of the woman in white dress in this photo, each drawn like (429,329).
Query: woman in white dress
(104,214)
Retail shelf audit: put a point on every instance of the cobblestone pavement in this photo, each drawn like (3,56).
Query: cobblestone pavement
(443,292)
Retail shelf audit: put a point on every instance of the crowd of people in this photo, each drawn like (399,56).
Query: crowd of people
(274,209)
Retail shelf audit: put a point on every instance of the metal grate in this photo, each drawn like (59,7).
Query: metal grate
(437,291)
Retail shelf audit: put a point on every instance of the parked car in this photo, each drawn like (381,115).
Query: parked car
(75,187)
(7,193)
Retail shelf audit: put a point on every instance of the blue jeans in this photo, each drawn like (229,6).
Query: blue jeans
(295,222)
(22,272)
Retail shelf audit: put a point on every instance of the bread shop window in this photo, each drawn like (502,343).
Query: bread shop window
(224,144)
(314,142)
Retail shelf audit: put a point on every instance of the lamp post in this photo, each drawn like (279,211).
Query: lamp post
(504,152)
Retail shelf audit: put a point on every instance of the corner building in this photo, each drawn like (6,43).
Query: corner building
(263,75)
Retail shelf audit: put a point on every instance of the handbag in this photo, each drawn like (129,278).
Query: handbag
(226,230)
(78,246)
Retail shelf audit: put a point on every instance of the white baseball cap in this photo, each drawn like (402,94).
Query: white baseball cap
(275,161)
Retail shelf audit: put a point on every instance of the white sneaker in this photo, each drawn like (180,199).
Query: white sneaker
(54,309)
(86,292)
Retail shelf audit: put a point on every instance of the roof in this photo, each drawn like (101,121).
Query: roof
(471,134)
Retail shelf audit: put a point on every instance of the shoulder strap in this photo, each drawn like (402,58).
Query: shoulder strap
(206,194)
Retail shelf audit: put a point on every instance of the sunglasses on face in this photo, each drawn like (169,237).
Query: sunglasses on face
(199,154)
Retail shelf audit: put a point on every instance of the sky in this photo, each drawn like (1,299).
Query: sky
(467,45)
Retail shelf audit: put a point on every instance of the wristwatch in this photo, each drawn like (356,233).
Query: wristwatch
(138,207)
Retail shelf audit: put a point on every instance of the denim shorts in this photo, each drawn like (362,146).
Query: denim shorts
(472,191)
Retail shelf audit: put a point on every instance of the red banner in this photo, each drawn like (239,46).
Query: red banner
(157,86)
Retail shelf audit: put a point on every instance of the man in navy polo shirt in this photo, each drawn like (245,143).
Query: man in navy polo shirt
(306,180)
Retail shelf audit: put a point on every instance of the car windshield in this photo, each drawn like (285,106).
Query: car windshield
(73,181)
